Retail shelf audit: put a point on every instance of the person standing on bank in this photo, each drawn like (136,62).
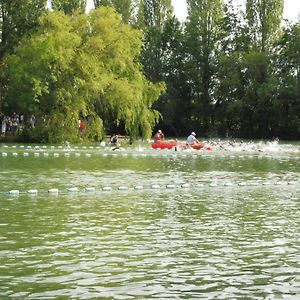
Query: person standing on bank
(191,140)
(158,136)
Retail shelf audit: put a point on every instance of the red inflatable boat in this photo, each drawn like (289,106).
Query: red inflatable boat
(172,145)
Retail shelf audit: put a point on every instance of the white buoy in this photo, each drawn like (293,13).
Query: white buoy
(67,154)
(185,185)
(32,191)
(291,182)
(77,154)
(15,154)
(36,154)
(88,154)
(14,192)
(89,189)
(199,185)
(25,154)
(155,186)
(73,189)
(46,154)
(138,187)
(228,184)
(106,188)
(213,185)
(253,183)
(53,191)
(55,155)
(170,186)
(4,154)
(266,183)
(122,188)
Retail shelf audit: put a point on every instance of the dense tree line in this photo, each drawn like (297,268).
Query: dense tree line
(130,65)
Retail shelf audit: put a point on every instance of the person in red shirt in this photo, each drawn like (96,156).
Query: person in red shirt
(158,136)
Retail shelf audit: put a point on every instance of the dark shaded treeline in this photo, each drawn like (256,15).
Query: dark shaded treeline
(227,70)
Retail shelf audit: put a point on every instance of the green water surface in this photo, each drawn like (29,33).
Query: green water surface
(233,232)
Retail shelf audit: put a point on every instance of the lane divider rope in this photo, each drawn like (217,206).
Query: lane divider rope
(137,154)
(154,186)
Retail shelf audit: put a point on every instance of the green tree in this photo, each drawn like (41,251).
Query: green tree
(18,18)
(68,6)
(82,65)
(263,21)
(154,13)
(286,105)
(123,7)
(202,32)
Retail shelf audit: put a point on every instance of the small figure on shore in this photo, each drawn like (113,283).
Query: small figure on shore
(158,136)
(3,127)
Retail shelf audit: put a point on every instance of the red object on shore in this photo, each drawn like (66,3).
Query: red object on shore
(180,145)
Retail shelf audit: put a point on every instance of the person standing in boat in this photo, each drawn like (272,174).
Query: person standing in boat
(158,136)
(191,140)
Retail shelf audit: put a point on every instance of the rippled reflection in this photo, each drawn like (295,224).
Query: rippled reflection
(147,245)
(215,242)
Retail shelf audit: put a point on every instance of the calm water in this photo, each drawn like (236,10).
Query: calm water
(206,225)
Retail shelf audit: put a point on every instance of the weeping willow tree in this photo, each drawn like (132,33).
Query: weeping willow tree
(82,66)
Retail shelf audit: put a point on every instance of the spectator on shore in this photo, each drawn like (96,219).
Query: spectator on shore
(32,121)
(3,127)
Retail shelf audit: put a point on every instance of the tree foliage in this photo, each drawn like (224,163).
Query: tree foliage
(82,66)
(18,18)
(68,6)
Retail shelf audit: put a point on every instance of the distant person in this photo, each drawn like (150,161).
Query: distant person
(3,127)
(114,139)
(32,121)
(191,140)
(158,136)
(15,123)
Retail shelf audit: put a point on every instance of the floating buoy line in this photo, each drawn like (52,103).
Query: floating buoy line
(156,187)
(76,152)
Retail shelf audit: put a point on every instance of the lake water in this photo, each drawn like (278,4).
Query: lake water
(92,223)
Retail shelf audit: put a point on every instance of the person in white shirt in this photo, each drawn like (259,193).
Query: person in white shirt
(191,140)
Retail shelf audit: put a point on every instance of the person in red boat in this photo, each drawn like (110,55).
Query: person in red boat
(158,136)
(191,140)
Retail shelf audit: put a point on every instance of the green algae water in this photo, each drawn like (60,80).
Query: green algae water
(149,224)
